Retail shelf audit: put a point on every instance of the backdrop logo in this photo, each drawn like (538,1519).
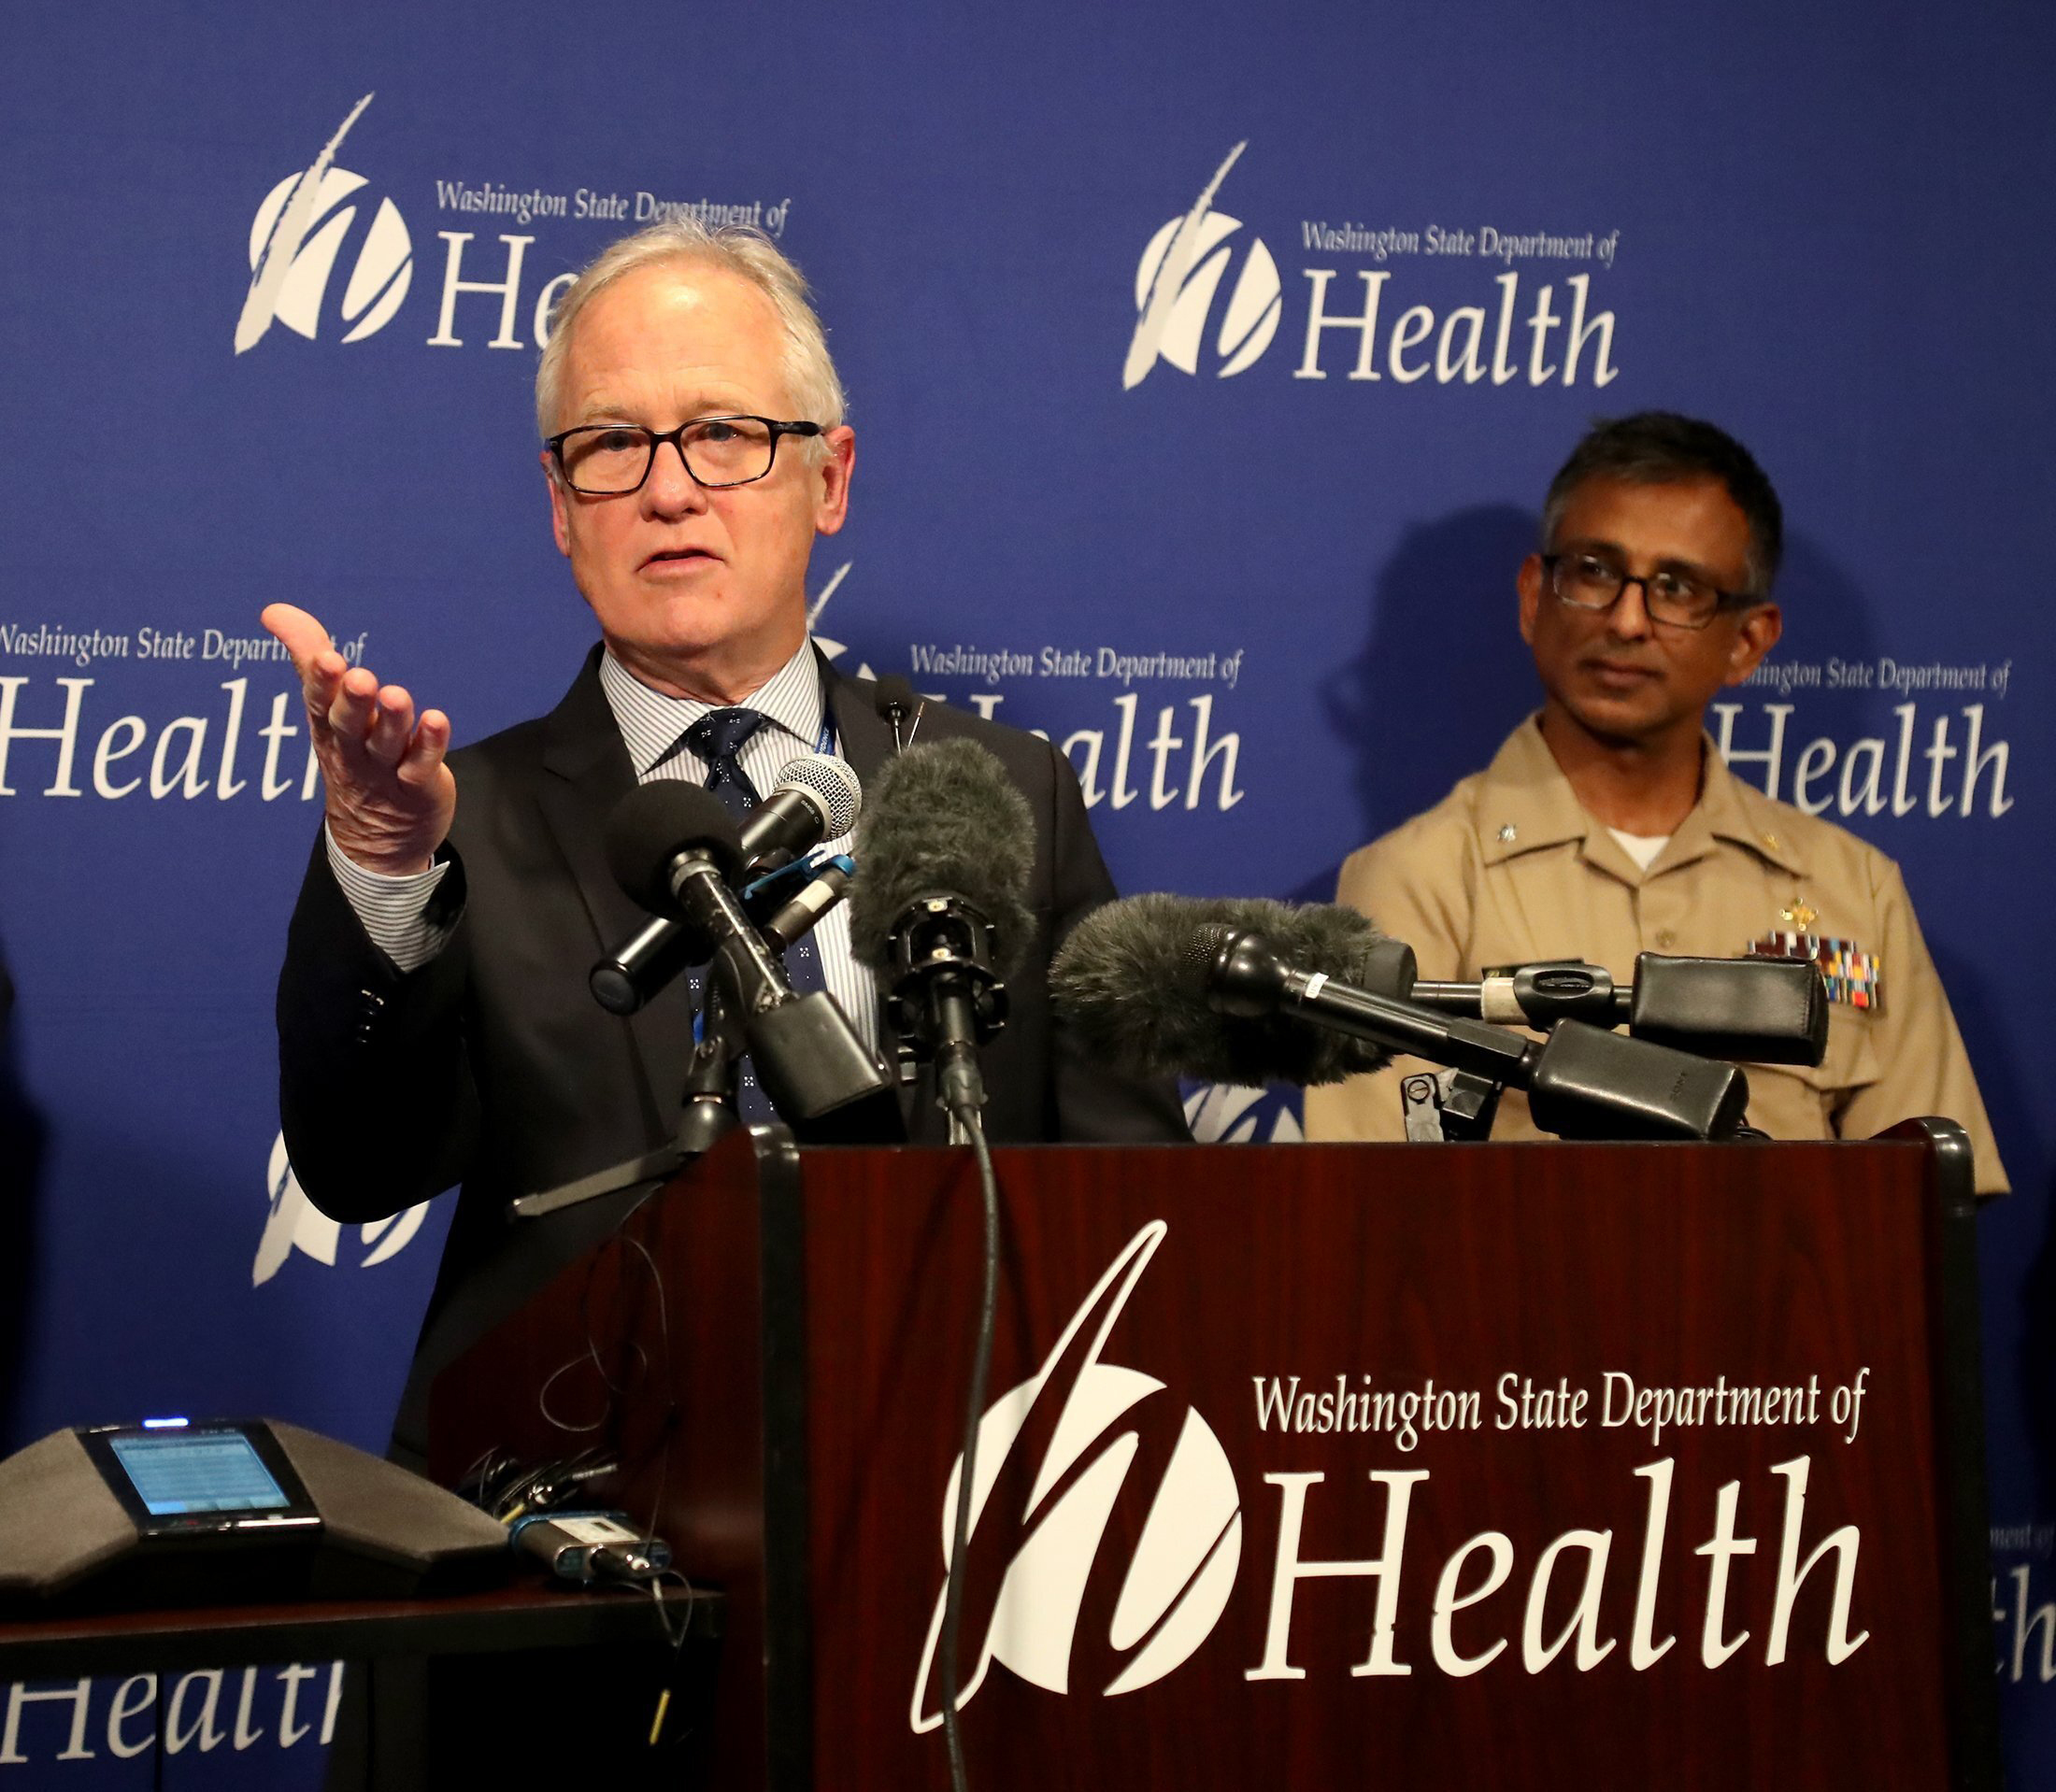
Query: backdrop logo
(1391,301)
(297,1223)
(302,230)
(1231,1113)
(833,650)
(1176,283)
(1079,1425)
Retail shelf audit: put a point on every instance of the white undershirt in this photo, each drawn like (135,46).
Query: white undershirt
(1641,847)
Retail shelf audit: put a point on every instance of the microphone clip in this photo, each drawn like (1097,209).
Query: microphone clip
(1450,1107)
(944,998)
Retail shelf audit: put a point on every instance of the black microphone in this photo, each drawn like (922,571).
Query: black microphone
(1534,995)
(1166,985)
(1582,1082)
(1762,1011)
(674,848)
(645,962)
(816,798)
(669,837)
(895,700)
(1767,1011)
(939,912)
(1130,982)
(810,904)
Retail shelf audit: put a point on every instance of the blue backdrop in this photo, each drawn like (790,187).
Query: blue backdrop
(1208,363)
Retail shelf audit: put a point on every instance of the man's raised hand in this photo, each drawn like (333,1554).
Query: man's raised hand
(390,795)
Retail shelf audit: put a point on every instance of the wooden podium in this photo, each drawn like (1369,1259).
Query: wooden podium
(1521,1466)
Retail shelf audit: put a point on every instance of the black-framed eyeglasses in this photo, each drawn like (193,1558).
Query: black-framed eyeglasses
(609,459)
(1589,581)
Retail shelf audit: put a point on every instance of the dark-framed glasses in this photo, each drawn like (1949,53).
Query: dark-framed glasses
(1591,581)
(606,460)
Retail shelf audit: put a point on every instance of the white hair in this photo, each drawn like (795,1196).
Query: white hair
(810,377)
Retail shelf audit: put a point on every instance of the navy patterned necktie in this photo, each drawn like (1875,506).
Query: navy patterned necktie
(716,739)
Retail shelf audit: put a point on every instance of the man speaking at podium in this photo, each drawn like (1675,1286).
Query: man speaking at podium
(1608,825)
(433,1017)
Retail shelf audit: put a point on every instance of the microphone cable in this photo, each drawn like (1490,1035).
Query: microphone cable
(968,1118)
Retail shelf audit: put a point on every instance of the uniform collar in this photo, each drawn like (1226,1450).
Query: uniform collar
(1735,810)
(1525,804)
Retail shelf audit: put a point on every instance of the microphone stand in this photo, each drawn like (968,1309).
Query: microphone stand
(707,1110)
(944,998)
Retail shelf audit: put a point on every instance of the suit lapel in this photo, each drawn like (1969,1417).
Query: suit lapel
(861,731)
(585,774)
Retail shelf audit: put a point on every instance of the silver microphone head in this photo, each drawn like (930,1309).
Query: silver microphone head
(831,786)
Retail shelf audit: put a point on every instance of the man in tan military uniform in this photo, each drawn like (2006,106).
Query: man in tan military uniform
(1608,824)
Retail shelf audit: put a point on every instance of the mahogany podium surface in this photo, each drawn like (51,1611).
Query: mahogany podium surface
(1520,1466)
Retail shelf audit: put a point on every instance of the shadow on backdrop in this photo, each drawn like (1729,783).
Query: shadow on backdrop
(22,1136)
(1442,675)
(1826,614)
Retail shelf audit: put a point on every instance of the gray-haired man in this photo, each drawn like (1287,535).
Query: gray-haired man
(434,1023)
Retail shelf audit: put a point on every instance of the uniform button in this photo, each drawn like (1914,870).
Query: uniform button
(1666,939)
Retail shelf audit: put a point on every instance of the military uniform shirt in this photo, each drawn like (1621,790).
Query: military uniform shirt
(1508,869)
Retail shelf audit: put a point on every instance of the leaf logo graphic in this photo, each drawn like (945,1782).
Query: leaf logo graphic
(1058,1457)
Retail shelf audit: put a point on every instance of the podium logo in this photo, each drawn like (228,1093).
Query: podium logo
(1058,1457)
(1178,280)
(296,1224)
(306,225)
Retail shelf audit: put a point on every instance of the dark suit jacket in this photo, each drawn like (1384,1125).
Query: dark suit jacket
(491,1065)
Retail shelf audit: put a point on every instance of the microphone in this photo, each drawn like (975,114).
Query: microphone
(1534,995)
(1131,981)
(895,700)
(1168,985)
(671,837)
(674,849)
(1582,1082)
(1769,1011)
(810,906)
(816,798)
(1764,1011)
(940,911)
(644,964)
